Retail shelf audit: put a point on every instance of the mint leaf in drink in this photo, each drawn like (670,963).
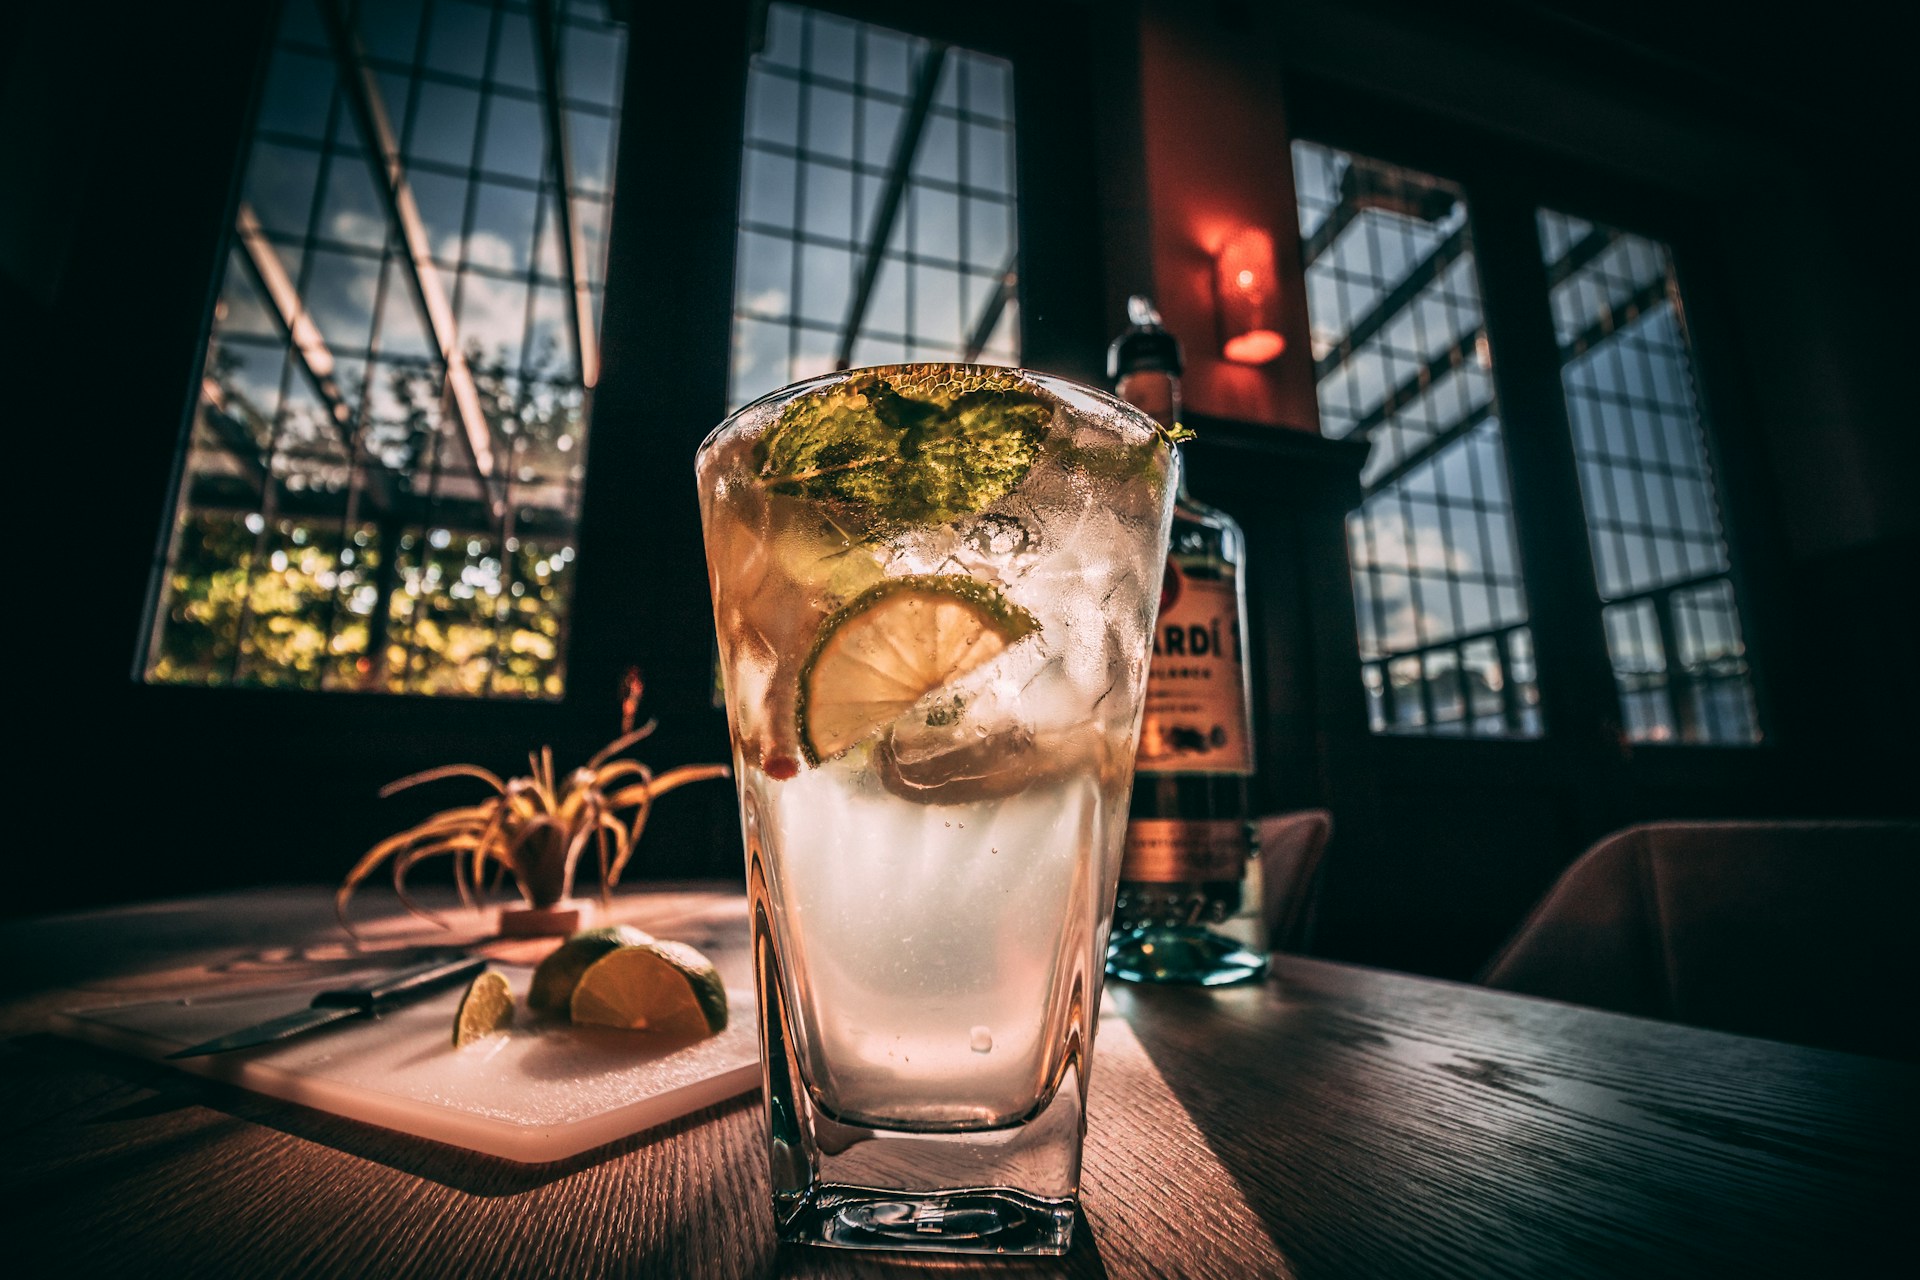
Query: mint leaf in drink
(915,443)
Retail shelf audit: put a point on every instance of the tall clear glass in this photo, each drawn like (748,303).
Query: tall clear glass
(934,587)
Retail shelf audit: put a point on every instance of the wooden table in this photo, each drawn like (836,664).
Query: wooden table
(1336,1121)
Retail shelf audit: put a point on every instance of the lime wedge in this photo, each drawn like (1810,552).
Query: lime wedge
(553,982)
(915,443)
(666,987)
(487,1007)
(891,645)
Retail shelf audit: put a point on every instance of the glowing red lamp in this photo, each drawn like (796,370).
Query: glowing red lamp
(1247,297)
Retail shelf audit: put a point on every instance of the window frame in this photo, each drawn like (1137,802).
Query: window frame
(1504,182)
(270,46)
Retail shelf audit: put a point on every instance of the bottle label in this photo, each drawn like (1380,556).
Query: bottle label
(1196,713)
(1165,850)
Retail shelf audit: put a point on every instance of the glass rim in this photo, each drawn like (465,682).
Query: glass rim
(1053,383)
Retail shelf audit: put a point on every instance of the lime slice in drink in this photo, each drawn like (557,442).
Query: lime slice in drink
(892,644)
(555,979)
(666,987)
(486,1008)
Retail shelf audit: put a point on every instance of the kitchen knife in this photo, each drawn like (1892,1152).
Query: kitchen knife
(367,1000)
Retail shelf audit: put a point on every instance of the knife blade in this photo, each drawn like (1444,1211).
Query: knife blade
(366,1000)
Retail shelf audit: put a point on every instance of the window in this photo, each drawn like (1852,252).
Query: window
(1401,359)
(877,214)
(1659,554)
(382,478)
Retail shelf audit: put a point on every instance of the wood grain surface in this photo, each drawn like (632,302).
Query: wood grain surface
(1335,1122)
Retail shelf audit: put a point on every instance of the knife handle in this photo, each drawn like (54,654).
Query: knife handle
(402,984)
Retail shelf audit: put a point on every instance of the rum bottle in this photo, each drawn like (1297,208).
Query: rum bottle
(1188,905)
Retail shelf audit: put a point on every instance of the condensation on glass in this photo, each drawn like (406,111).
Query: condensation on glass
(877,207)
(1659,552)
(382,481)
(1401,359)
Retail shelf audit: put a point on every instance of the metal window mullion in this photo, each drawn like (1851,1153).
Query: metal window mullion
(1679,681)
(503,495)
(1340,215)
(1408,389)
(805,155)
(1619,362)
(1495,615)
(586,348)
(386,495)
(384,156)
(287,301)
(906,146)
(1417,579)
(1579,254)
(1434,445)
(1443,509)
(1509,685)
(435,438)
(1710,681)
(801,166)
(963,143)
(513,442)
(859,91)
(1579,699)
(1616,317)
(1613,526)
(1463,639)
(270,487)
(1397,298)
(992,309)
(1389,705)
(1374,574)
(509,526)
(1663,468)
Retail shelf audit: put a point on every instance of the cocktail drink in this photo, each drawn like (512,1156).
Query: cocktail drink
(934,587)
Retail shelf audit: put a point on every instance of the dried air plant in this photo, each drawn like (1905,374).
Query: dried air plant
(534,827)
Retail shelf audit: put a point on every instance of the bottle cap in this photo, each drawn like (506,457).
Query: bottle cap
(1144,344)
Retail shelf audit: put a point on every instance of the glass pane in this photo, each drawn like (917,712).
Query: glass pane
(1652,516)
(827,107)
(1401,359)
(353,514)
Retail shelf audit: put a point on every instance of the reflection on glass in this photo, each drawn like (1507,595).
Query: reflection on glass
(1653,520)
(876,207)
(1401,359)
(382,482)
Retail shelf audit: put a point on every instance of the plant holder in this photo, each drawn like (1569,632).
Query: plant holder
(569,915)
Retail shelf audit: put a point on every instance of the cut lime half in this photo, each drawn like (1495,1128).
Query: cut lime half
(487,1007)
(666,987)
(557,976)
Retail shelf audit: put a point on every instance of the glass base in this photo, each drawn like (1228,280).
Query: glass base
(1008,1189)
(986,1220)
(1184,954)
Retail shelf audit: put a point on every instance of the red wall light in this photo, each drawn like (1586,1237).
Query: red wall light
(1247,298)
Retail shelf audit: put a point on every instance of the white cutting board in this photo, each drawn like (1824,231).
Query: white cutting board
(541,1091)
